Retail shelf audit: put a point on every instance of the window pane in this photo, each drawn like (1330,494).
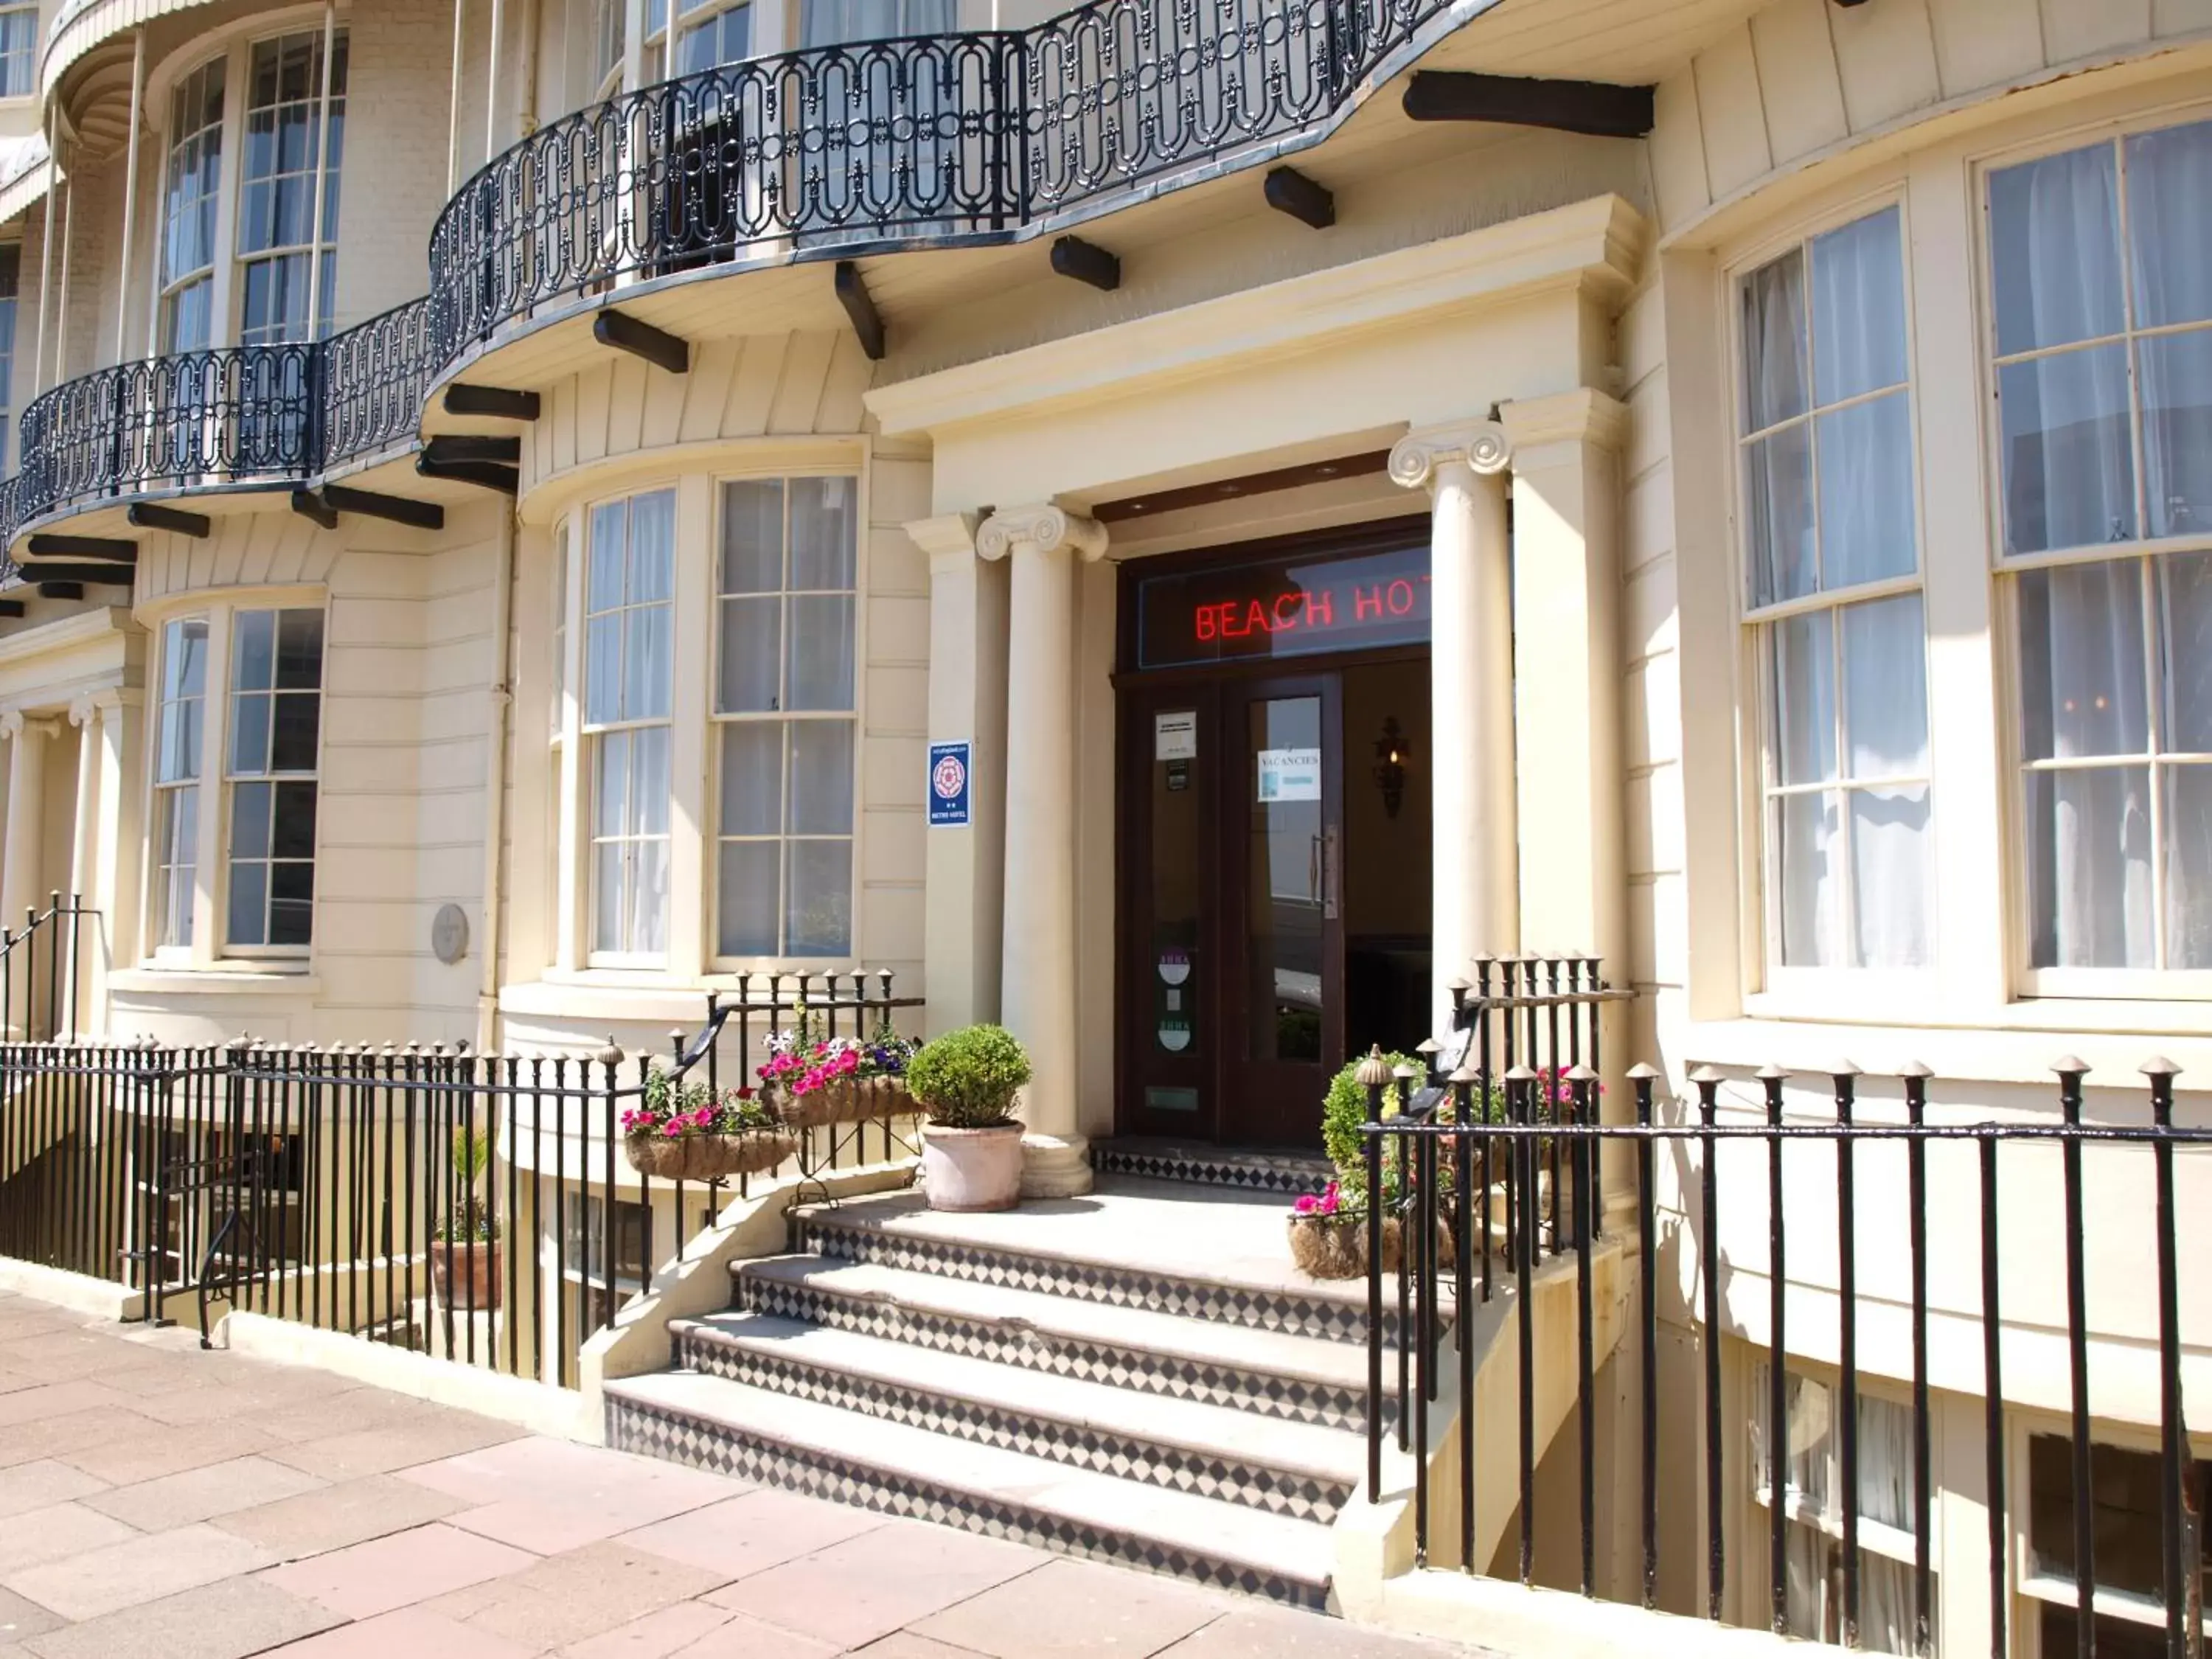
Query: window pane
(818,910)
(1778,515)
(752,779)
(2169,238)
(650,903)
(649,781)
(822,778)
(751,653)
(185,654)
(2069,468)
(1858,309)
(2189,867)
(299,715)
(1886,1481)
(1808,856)
(1889,877)
(2089,875)
(2177,427)
(249,735)
(604,583)
(253,651)
(291,904)
(749,898)
(821,654)
(250,812)
(292,835)
(602,671)
(611,790)
(299,651)
(2185,592)
(249,904)
(607,895)
(1774,343)
(648,666)
(2055,250)
(752,536)
(1885,687)
(2081,661)
(1866,492)
(652,546)
(1805,698)
(824,538)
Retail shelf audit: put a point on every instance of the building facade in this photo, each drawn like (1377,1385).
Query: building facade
(1184,530)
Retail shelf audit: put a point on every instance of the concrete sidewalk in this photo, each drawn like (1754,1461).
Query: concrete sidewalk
(160,1503)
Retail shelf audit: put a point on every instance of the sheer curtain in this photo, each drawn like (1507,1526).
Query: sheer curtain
(2185,643)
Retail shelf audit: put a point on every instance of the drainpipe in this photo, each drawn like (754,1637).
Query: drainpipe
(322,174)
(130,197)
(453,120)
(532,20)
(498,705)
(491,81)
(61,302)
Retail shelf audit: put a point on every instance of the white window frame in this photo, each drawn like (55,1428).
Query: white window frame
(233,779)
(1839,985)
(227,275)
(694,929)
(210,948)
(2141,985)
(28,60)
(322,244)
(163,798)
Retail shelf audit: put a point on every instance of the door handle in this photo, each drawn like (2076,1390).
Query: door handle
(1328,869)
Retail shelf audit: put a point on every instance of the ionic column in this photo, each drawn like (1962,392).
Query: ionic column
(1037,951)
(21,875)
(84,835)
(1477,911)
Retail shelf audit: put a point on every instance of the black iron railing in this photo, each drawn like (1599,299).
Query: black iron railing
(41,968)
(1710,1186)
(827,152)
(477,1207)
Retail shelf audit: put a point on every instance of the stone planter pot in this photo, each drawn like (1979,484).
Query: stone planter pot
(848,1100)
(1329,1247)
(708,1157)
(466,1276)
(970,1169)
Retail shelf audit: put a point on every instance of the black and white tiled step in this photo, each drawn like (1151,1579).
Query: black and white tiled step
(1287,1173)
(1277,1374)
(892,1236)
(1292,1470)
(756,1433)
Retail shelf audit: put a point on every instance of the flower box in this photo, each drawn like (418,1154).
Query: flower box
(704,1155)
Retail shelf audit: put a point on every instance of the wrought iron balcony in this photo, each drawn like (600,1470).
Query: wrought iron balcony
(828,152)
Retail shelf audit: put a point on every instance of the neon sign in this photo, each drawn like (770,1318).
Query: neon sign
(1284,608)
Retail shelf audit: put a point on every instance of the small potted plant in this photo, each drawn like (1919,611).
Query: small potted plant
(812,1081)
(681,1131)
(464,1254)
(971,1147)
(1328,1236)
(1344,1115)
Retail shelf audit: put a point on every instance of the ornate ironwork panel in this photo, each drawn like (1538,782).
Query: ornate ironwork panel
(374,376)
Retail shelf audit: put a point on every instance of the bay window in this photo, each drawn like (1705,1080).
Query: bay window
(2102,314)
(629,604)
(240,243)
(1830,546)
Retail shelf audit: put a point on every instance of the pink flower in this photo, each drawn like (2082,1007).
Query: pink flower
(1326,1204)
(672,1130)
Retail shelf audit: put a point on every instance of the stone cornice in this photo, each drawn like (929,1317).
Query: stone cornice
(949,539)
(1043,526)
(1583,416)
(1597,243)
(1482,445)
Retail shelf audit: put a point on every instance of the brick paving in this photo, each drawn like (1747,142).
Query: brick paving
(160,1503)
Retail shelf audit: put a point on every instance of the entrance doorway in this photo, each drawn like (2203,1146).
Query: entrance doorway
(1275,829)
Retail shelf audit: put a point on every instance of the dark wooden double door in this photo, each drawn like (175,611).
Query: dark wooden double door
(1232,925)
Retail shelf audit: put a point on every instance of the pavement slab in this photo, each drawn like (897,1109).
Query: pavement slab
(1076,1610)
(37,1536)
(146,1568)
(548,1495)
(333,1517)
(21,1620)
(201,1494)
(656,1636)
(748,1534)
(41,1481)
(1253,1631)
(575,1596)
(398,1572)
(227,1620)
(143,1449)
(425,1438)
(407,1633)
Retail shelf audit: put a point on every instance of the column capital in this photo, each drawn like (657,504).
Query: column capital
(88,706)
(949,539)
(1417,458)
(15,723)
(1043,526)
(1582,416)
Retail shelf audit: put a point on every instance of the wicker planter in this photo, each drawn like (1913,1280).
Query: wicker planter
(847,1100)
(1329,1247)
(466,1276)
(1393,1244)
(708,1157)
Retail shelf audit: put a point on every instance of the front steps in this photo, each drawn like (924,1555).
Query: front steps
(1063,1374)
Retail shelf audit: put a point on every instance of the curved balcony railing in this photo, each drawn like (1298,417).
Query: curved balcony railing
(831,151)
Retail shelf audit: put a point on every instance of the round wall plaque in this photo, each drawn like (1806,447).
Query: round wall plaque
(449,933)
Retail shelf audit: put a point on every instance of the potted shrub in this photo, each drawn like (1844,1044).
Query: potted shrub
(681,1131)
(465,1258)
(811,1081)
(971,1147)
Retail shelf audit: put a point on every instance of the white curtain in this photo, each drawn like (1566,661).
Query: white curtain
(1858,309)
(835,23)
(2185,629)
(2069,466)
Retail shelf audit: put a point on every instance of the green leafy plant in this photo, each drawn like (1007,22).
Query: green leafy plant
(466,1220)
(968,1078)
(1343,1111)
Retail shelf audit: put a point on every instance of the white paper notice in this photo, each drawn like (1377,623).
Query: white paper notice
(1289,774)
(1175,735)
